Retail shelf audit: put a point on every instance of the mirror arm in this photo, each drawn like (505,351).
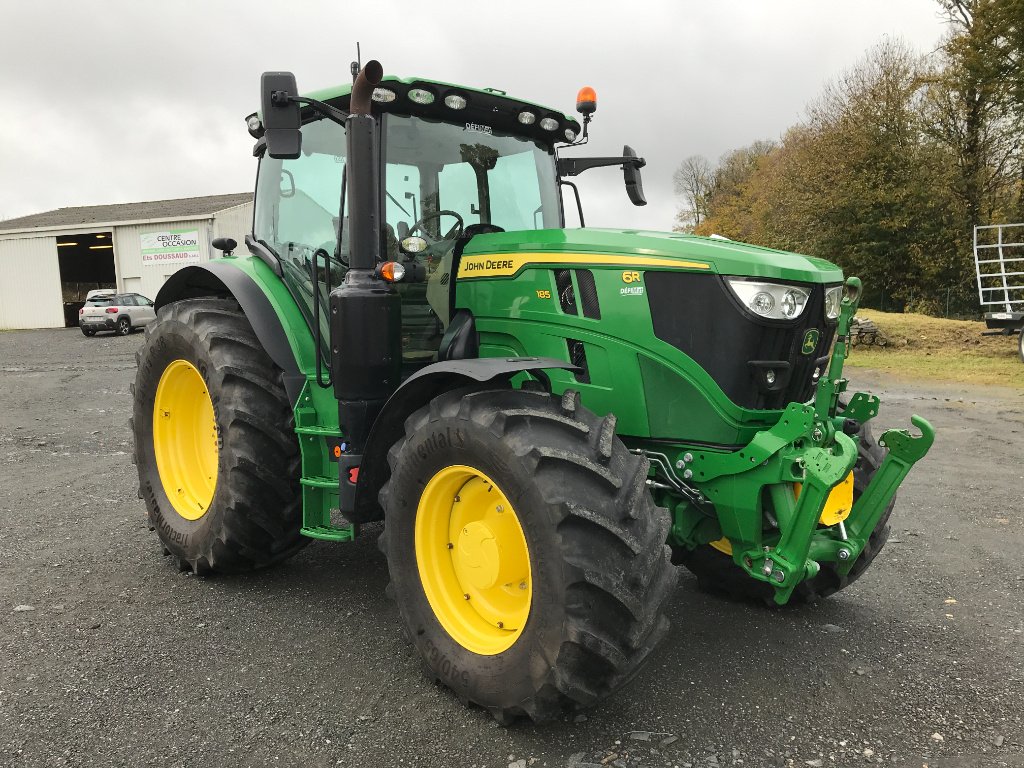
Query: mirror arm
(318,106)
(574,166)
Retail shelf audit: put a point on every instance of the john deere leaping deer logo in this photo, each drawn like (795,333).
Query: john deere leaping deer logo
(810,342)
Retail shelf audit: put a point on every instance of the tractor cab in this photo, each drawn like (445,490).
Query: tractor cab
(454,163)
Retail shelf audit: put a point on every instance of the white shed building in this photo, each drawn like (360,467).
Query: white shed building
(49,261)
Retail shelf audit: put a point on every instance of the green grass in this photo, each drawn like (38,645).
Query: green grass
(923,347)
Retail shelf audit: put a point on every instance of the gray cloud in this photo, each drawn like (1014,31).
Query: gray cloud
(126,100)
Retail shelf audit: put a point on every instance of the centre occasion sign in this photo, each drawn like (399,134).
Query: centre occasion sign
(170,245)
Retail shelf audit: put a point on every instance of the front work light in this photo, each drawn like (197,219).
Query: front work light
(833,302)
(254,125)
(383,95)
(421,96)
(549,124)
(770,300)
(527,118)
(454,101)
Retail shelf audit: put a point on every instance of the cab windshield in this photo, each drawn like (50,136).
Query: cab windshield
(480,175)
(439,180)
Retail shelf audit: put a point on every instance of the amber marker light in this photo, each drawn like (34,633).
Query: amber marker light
(391,271)
(586,101)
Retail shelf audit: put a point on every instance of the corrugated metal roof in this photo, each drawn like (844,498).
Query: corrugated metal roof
(108,214)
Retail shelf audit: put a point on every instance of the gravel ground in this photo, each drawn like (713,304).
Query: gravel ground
(121,660)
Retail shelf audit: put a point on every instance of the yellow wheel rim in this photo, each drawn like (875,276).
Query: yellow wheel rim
(185,439)
(473,560)
(723,545)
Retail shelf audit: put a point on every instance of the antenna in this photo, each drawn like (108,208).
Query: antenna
(356,65)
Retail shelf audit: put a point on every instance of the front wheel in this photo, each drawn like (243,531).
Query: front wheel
(526,555)
(217,458)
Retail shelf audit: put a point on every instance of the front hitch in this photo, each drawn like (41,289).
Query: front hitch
(809,446)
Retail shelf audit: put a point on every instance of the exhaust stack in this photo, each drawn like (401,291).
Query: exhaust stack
(366,312)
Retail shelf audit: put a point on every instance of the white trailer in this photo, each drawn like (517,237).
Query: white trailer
(999,266)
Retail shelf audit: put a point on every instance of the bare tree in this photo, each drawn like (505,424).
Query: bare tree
(693,180)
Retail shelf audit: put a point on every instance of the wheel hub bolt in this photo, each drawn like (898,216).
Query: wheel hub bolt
(522,585)
(501,625)
(687,474)
(466,596)
(844,554)
(500,508)
(687,457)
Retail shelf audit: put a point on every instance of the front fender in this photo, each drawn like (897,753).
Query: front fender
(415,392)
(269,308)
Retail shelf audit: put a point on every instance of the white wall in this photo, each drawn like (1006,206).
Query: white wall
(138,276)
(30,295)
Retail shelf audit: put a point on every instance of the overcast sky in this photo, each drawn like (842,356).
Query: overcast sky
(127,100)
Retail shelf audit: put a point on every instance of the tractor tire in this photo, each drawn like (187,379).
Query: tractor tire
(718,574)
(551,595)
(219,464)
(124,327)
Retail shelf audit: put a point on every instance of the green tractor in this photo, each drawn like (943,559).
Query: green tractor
(547,420)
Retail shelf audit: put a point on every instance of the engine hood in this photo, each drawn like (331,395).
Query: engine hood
(724,257)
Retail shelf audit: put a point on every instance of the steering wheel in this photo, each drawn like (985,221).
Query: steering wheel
(453,234)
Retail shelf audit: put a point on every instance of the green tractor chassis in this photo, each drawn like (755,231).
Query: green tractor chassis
(546,419)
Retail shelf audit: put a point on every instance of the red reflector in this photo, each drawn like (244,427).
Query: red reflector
(111,310)
(353,475)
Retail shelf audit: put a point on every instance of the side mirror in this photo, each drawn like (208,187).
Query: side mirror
(631,175)
(281,118)
(225,244)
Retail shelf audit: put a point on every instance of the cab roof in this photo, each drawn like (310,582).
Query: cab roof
(487,107)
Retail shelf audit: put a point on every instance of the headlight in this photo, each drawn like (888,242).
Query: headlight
(771,300)
(833,302)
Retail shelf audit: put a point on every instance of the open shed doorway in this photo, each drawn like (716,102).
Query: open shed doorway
(86,263)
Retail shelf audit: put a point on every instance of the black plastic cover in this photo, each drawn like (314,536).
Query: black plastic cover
(366,328)
(699,315)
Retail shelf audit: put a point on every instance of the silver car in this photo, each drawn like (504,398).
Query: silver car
(118,312)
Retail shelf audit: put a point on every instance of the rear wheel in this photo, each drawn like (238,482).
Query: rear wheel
(124,326)
(716,572)
(218,463)
(88,332)
(526,556)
